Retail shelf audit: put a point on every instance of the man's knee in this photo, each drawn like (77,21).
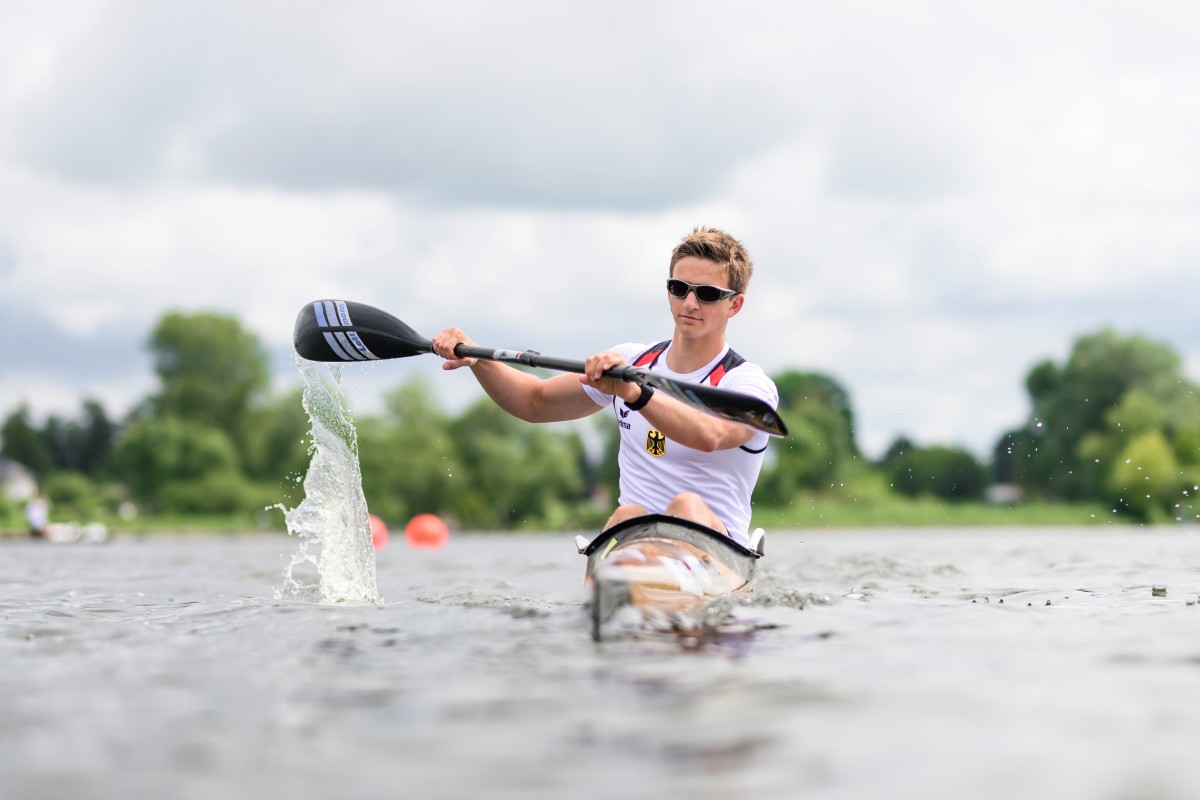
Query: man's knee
(690,505)
(625,512)
(687,504)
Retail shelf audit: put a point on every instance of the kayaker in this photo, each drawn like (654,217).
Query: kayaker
(673,459)
(37,514)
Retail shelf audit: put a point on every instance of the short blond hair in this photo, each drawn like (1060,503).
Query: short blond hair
(716,245)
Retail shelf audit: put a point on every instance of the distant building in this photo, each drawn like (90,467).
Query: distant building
(16,481)
(1005,494)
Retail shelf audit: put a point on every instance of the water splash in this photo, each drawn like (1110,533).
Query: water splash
(331,522)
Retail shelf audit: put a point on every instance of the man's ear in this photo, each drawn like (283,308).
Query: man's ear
(735,305)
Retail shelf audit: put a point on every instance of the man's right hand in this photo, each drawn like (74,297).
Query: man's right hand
(593,375)
(444,344)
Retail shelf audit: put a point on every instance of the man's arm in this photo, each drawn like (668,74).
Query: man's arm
(693,428)
(521,394)
(680,423)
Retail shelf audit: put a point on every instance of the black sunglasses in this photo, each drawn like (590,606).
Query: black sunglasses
(704,292)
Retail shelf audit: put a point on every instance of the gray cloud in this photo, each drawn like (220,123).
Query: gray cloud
(573,151)
(34,345)
(578,116)
(893,165)
(123,91)
(8,259)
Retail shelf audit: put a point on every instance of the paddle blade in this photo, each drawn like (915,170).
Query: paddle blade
(723,403)
(341,330)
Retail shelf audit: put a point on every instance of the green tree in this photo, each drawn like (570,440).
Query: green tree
(1013,450)
(899,446)
(408,457)
(605,472)
(1144,473)
(182,466)
(277,446)
(81,445)
(1187,445)
(1145,478)
(212,372)
(820,445)
(1072,401)
(805,460)
(74,495)
(950,473)
(23,443)
(514,474)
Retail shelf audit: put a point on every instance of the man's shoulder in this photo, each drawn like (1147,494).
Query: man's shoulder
(742,365)
(631,349)
(749,377)
(746,365)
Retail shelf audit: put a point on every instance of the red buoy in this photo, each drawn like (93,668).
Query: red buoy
(426,531)
(379,532)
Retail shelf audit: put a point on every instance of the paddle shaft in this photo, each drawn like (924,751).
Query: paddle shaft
(533,358)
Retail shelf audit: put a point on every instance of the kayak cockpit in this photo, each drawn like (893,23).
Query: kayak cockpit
(662,571)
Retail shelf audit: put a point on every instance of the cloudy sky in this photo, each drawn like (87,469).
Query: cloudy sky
(936,195)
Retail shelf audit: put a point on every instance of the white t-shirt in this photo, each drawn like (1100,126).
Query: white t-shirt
(37,512)
(655,469)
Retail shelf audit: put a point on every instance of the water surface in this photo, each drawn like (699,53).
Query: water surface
(886,665)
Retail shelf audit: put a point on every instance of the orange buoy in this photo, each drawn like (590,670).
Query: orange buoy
(379,532)
(426,531)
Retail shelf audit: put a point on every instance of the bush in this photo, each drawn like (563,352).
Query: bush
(1145,480)
(950,473)
(222,493)
(73,495)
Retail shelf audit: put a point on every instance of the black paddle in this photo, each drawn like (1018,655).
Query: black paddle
(341,330)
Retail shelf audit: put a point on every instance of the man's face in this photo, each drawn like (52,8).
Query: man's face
(692,317)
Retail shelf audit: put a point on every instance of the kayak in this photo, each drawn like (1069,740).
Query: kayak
(664,573)
(73,532)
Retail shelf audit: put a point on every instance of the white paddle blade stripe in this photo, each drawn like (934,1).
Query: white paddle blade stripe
(346,345)
(323,311)
(358,344)
(332,341)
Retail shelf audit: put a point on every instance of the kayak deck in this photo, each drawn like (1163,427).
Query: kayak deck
(664,572)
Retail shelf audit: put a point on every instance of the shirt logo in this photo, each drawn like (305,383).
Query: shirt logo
(656,443)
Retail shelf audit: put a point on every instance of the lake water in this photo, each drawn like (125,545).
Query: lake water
(884,665)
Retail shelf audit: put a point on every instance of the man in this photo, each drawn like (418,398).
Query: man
(37,513)
(673,459)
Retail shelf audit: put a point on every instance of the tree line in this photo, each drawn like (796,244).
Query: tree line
(1118,422)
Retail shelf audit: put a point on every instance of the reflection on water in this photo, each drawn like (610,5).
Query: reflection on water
(900,664)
